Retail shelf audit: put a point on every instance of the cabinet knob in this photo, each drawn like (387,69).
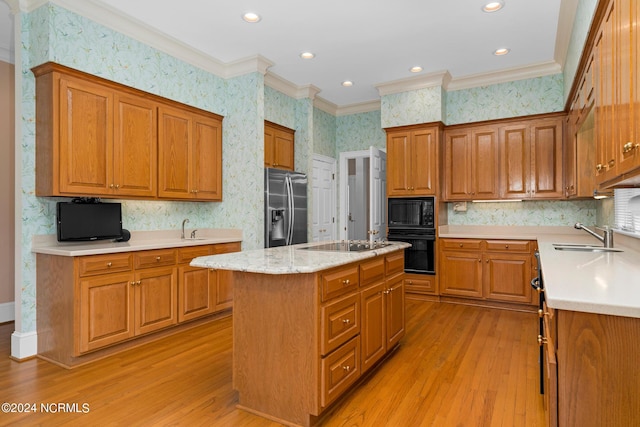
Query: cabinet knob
(346,282)
(461,245)
(599,167)
(109,264)
(347,368)
(506,246)
(111,186)
(346,321)
(139,282)
(157,258)
(542,313)
(612,163)
(117,186)
(629,146)
(541,340)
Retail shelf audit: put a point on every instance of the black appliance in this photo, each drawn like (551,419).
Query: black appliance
(413,221)
(536,284)
(77,221)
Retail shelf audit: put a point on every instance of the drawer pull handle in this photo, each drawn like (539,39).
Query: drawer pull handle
(346,282)
(346,321)
(109,264)
(347,368)
(629,147)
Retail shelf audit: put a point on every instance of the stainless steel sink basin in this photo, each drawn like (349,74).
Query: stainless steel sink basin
(583,248)
(193,238)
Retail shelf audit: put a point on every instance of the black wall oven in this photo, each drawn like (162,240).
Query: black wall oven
(413,221)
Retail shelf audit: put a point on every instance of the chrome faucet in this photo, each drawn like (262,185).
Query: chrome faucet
(606,238)
(193,233)
(183,223)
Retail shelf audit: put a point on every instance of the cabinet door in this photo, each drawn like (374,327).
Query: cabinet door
(283,149)
(86,138)
(458,165)
(629,149)
(484,168)
(424,161)
(461,274)
(106,311)
(206,160)
(507,277)
(135,147)
(515,162)
(546,159)
(394,306)
(224,290)
(196,293)
(156,299)
(398,163)
(269,136)
(174,153)
(373,331)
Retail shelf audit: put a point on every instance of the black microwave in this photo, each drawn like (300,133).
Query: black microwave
(411,213)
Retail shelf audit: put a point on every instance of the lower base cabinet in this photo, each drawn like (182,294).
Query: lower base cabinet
(302,340)
(491,270)
(88,303)
(426,284)
(596,381)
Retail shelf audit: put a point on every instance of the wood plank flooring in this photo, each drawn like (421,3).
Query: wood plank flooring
(457,366)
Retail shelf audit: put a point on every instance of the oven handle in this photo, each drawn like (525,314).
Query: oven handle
(402,237)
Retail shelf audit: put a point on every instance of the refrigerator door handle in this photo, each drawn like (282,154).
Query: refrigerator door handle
(289,189)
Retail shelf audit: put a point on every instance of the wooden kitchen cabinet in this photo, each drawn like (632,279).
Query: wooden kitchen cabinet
(333,336)
(591,376)
(279,146)
(92,139)
(493,270)
(91,303)
(412,160)
(190,155)
(471,163)
(421,284)
(531,159)
(95,137)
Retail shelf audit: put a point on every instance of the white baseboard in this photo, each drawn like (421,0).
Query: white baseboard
(24,344)
(7,312)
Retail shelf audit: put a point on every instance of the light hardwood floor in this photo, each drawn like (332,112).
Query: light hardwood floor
(457,366)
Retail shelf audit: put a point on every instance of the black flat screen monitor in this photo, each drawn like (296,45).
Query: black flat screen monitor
(88,221)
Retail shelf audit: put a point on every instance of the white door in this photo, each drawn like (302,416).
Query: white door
(324,199)
(378,193)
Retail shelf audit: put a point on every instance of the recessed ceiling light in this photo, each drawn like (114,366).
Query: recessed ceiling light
(501,51)
(493,6)
(251,17)
(415,69)
(307,55)
(347,83)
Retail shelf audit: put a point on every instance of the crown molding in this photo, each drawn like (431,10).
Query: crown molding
(505,76)
(361,107)
(16,5)
(326,106)
(247,65)
(413,83)
(290,89)
(566,19)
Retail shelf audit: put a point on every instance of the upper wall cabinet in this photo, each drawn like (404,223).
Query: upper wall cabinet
(189,152)
(279,144)
(471,163)
(412,160)
(98,138)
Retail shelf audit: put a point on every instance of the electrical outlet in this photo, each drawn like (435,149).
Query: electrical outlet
(460,207)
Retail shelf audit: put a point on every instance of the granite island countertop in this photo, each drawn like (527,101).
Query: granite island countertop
(289,259)
(140,241)
(592,282)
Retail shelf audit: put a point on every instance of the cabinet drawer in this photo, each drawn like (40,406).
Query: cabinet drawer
(223,248)
(339,282)
(157,258)
(371,271)
(340,322)
(340,369)
(420,284)
(394,263)
(100,264)
(185,255)
(509,245)
(461,244)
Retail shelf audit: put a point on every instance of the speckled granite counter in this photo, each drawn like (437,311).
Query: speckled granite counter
(140,240)
(289,259)
(592,282)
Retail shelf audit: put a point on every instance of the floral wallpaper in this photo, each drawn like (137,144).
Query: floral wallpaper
(581,25)
(499,101)
(279,108)
(407,108)
(324,133)
(356,132)
(540,213)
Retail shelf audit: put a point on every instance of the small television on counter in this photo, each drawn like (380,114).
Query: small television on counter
(78,221)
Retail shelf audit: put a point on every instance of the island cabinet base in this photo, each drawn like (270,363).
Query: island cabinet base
(299,339)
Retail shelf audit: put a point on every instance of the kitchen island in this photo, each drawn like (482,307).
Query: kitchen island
(309,321)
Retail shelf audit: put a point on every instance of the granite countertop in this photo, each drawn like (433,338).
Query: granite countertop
(140,240)
(593,282)
(289,259)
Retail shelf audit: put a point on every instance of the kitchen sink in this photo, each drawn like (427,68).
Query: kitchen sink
(583,248)
(347,246)
(194,238)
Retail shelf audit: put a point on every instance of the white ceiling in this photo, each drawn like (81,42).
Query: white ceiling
(367,41)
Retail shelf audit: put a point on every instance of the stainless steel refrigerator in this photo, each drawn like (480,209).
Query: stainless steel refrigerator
(285,207)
